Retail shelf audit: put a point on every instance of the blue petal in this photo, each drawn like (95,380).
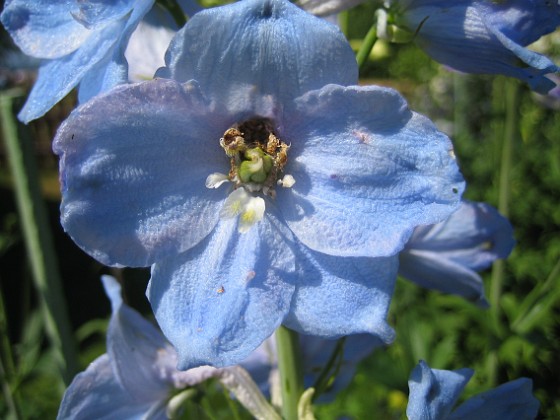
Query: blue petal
(433,271)
(511,401)
(97,394)
(474,236)
(523,21)
(434,392)
(58,77)
(43,28)
(338,296)
(91,13)
(447,255)
(113,69)
(367,171)
(133,182)
(142,360)
(466,38)
(270,47)
(217,302)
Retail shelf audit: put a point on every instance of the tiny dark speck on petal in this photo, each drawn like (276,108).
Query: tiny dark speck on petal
(334,176)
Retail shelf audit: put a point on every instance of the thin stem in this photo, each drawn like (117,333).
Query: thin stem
(291,374)
(367,45)
(38,241)
(510,129)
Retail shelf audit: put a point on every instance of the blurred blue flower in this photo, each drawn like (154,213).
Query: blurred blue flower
(81,43)
(484,37)
(138,376)
(434,393)
(447,256)
(262,189)
(471,36)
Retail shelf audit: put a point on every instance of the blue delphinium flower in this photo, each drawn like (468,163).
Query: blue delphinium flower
(484,37)
(472,36)
(260,186)
(447,256)
(434,393)
(138,376)
(81,43)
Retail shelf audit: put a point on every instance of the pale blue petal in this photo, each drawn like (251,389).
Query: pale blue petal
(433,271)
(91,13)
(511,401)
(338,296)
(367,171)
(142,360)
(113,69)
(523,21)
(446,256)
(474,236)
(95,394)
(466,38)
(58,77)
(434,392)
(133,181)
(219,301)
(270,47)
(43,28)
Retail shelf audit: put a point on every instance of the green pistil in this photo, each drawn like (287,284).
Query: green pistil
(256,166)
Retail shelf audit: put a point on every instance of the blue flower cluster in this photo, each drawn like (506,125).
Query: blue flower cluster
(263,186)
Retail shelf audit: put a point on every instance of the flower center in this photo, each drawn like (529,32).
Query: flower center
(257,160)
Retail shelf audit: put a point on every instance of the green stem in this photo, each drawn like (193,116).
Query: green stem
(510,131)
(38,241)
(367,45)
(291,374)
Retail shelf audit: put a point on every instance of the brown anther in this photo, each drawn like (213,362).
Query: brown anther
(233,142)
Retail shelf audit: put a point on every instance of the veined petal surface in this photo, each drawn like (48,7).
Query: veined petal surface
(338,296)
(218,301)
(43,28)
(367,171)
(133,180)
(269,46)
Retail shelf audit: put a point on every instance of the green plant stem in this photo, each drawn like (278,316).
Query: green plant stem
(38,241)
(508,138)
(291,374)
(367,45)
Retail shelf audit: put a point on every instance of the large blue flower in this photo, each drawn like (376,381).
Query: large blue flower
(80,42)
(260,186)
(484,37)
(435,392)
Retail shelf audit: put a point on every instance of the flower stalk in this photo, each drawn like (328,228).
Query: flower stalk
(291,374)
